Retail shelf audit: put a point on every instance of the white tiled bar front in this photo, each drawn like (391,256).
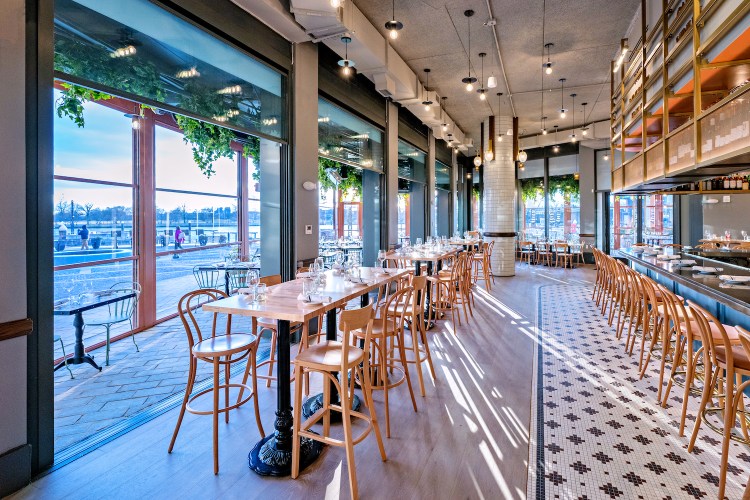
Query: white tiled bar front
(499,198)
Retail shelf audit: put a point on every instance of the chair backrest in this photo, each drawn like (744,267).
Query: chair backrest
(186,308)
(398,304)
(704,319)
(206,276)
(125,308)
(419,283)
(561,246)
(351,320)
(237,278)
(271,279)
(677,314)
(744,339)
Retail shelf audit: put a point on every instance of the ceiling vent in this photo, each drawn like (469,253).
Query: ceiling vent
(384,84)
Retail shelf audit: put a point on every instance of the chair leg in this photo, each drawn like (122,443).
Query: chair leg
(367,393)
(65,358)
(729,418)
(132,336)
(708,383)
(402,353)
(297,422)
(271,358)
(216,416)
(226,390)
(188,391)
(423,334)
(347,424)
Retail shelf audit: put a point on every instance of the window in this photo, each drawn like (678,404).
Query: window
(442,215)
(623,216)
(564,198)
(532,218)
(658,219)
(411,192)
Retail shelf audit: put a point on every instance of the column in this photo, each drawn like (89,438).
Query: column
(431,222)
(391,170)
(499,199)
(305,152)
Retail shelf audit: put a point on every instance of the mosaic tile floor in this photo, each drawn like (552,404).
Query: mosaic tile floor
(598,430)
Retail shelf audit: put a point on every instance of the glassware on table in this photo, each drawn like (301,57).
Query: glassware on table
(381,257)
(309,288)
(727,234)
(321,264)
(261,292)
(418,242)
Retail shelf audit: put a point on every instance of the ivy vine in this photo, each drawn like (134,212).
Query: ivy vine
(71,101)
(565,185)
(531,189)
(351,181)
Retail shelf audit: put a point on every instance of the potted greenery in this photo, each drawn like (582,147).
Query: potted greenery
(96,242)
(202,240)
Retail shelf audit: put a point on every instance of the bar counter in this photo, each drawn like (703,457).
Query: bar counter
(729,303)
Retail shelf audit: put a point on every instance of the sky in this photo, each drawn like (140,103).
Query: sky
(102,150)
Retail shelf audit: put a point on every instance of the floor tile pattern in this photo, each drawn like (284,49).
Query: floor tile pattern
(599,432)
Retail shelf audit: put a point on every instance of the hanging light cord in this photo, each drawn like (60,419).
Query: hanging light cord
(544,12)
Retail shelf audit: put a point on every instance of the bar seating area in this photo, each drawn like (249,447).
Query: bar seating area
(335,249)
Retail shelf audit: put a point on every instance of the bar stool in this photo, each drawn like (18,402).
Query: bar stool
(327,359)
(386,350)
(725,367)
(232,347)
(447,291)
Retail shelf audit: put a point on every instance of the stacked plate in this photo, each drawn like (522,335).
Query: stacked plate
(734,280)
(707,270)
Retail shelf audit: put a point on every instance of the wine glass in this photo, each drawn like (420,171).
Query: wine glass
(321,264)
(381,257)
(744,235)
(252,282)
(418,242)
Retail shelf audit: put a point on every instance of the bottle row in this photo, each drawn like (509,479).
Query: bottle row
(736,182)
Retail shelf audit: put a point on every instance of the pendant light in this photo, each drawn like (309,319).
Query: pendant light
(477,160)
(584,129)
(544,125)
(606,157)
(482,92)
(336,3)
(562,101)
(556,147)
(442,110)
(346,63)
(499,105)
(573,137)
(427,102)
(393,26)
(548,65)
(469,80)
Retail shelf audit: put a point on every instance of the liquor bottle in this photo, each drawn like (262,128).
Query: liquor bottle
(732,182)
(746,183)
(726,182)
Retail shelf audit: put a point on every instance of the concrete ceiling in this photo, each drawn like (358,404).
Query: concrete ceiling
(586,34)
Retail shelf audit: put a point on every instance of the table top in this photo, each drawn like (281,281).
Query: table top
(234,266)
(93,300)
(464,242)
(734,296)
(282,303)
(415,256)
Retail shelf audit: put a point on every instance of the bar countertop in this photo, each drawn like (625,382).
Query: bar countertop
(736,297)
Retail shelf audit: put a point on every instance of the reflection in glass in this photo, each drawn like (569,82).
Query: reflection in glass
(531,198)
(345,138)
(623,217)
(139,48)
(658,219)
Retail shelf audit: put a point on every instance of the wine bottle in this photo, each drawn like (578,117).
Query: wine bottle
(732,182)
(746,183)
(726,182)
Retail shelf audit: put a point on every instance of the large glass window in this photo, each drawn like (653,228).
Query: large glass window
(411,192)
(442,215)
(658,219)
(564,198)
(623,216)
(531,183)
(139,48)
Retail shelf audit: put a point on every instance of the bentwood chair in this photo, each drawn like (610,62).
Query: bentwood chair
(727,369)
(563,255)
(447,290)
(329,358)
(527,251)
(481,265)
(119,312)
(207,277)
(222,350)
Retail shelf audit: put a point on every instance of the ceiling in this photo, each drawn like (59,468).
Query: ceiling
(586,36)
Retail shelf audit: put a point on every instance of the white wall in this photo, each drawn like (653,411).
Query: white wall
(13,222)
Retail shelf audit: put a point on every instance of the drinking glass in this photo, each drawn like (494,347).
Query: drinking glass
(321,264)
(261,291)
(418,242)
(744,235)
(381,257)
(252,280)
(308,289)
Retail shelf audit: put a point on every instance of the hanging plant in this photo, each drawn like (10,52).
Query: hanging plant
(564,185)
(251,151)
(208,142)
(71,101)
(352,183)
(531,189)
(476,193)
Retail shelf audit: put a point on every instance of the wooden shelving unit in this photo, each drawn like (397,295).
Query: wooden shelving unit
(681,98)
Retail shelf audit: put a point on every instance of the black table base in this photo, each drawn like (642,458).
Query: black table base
(79,354)
(268,458)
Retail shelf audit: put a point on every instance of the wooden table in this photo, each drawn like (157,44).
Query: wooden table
(272,455)
(229,266)
(431,259)
(95,299)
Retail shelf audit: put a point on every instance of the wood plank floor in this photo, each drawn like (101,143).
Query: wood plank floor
(469,438)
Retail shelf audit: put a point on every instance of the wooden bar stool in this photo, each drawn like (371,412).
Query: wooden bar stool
(221,351)
(327,359)
(447,291)
(725,365)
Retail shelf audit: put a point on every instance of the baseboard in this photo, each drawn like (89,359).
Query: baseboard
(15,469)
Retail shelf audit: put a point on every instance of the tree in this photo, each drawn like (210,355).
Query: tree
(86,208)
(61,208)
(74,211)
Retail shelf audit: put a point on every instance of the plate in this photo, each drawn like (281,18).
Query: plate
(734,280)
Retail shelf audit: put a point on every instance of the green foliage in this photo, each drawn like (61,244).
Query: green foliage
(251,151)
(351,177)
(531,189)
(209,142)
(565,185)
(475,192)
(71,101)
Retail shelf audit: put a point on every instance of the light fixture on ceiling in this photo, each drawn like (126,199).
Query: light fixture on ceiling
(605,157)
(469,80)
(346,63)
(135,120)
(482,91)
(521,166)
(488,155)
(544,125)
(188,73)
(584,128)
(427,102)
(491,82)
(336,3)
(573,137)
(548,65)
(522,156)
(477,160)
(393,26)
(442,111)
(556,147)
(562,99)
(623,52)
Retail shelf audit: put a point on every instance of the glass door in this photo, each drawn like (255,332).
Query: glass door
(623,217)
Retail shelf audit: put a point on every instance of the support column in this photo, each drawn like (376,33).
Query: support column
(305,153)
(431,222)
(391,170)
(499,199)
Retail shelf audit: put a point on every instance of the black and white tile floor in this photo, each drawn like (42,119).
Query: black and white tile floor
(598,431)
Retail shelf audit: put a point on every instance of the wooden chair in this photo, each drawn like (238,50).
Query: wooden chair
(327,359)
(562,254)
(544,253)
(386,350)
(576,250)
(527,251)
(415,315)
(119,312)
(481,266)
(221,350)
(58,339)
(725,366)
(447,290)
